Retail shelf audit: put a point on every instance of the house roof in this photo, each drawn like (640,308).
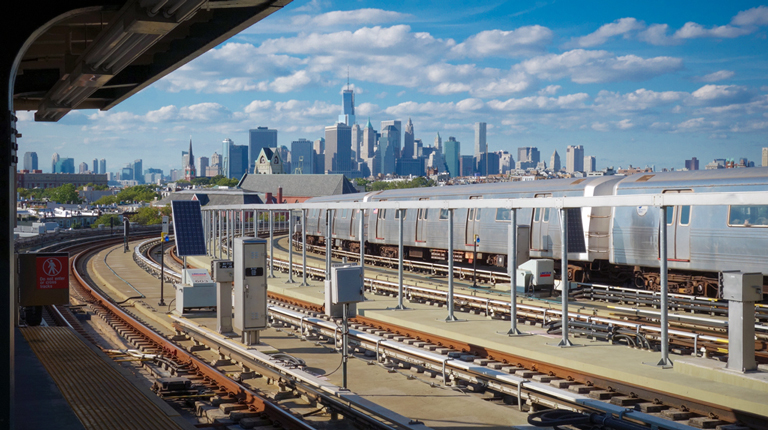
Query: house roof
(298,185)
(213,197)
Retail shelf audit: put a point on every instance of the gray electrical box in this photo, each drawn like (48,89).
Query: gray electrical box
(223,270)
(742,287)
(347,284)
(250,284)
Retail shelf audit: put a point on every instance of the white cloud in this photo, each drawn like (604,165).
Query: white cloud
(691,30)
(296,81)
(448,109)
(541,103)
(521,41)
(656,34)
(348,17)
(637,100)
(587,66)
(550,90)
(716,76)
(600,126)
(625,124)
(619,27)
(719,95)
(755,16)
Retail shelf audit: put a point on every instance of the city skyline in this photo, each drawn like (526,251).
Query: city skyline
(629,82)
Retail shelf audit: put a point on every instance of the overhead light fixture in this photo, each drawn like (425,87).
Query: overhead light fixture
(138,26)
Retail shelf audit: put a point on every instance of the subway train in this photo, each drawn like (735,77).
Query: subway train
(613,245)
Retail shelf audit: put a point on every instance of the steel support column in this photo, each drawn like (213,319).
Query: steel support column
(290,248)
(362,243)
(512,271)
(665,361)
(565,285)
(271,244)
(400,306)
(304,248)
(450,316)
(328,247)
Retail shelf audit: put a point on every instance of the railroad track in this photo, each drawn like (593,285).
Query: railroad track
(532,383)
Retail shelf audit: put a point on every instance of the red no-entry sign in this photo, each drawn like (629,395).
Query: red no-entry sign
(52,272)
(43,279)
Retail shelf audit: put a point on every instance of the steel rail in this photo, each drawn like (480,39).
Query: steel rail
(248,397)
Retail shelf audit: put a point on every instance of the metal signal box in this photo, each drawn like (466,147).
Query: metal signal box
(223,270)
(250,284)
(742,287)
(347,284)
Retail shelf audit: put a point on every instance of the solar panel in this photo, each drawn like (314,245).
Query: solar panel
(188,228)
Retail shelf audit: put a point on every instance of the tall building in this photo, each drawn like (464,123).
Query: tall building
(574,158)
(693,163)
(102,166)
(389,135)
(338,148)
(258,138)
(302,157)
(319,147)
(528,154)
(394,137)
(438,142)
(357,139)
(506,162)
(234,159)
(368,143)
(226,145)
(82,168)
(95,167)
(481,145)
(554,162)
(452,151)
(467,165)
(590,163)
(127,173)
(418,148)
(347,116)
(138,168)
(30,161)
(55,159)
(765,157)
(202,166)
(408,137)
(189,170)
(64,165)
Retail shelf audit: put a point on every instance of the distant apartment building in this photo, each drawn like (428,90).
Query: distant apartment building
(258,138)
(452,151)
(82,168)
(506,162)
(527,157)
(64,165)
(574,158)
(590,163)
(765,157)
(395,138)
(30,161)
(692,164)
(338,148)
(102,166)
(302,157)
(202,166)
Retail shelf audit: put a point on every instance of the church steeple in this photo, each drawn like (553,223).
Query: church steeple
(189,169)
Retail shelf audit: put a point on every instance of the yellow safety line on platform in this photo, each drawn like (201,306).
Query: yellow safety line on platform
(99,395)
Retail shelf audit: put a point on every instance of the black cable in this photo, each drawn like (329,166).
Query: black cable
(557,417)
(129,298)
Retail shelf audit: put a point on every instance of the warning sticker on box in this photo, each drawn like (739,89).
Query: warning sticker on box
(52,273)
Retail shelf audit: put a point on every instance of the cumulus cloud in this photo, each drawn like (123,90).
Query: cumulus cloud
(716,76)
(541,103)
(587,66)
(549,90)
(755,16)
(619,27)
(638,100)
(719,95)
(521,41)
(691,30)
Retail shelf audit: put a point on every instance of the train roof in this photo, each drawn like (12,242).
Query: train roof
(697,178)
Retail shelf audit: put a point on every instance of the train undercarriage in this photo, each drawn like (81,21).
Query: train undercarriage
(599,271)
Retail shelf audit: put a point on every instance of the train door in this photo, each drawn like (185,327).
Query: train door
(352,225)
(472,226)
(679,230)
(320,220)
(421,224)
(540,239)
(381,215)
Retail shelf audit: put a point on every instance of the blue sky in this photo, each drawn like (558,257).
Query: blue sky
(634,82)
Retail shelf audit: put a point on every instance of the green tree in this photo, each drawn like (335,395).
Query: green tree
(104,219)
(30,193)
(150,215)
(66,193)
(226,182)
(95,187)
(419,182)
(106,200)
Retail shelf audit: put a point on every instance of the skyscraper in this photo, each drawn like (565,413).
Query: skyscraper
(95,167)
(481,146)
(452,150)
(574,158)
(338,148)
(202,166)
(55,159)
(226,145)
(765,157)
(527,157)
(590,164)
(506,162)
(258,138)
(554,162)
(64,165)
(408,137)
(347,116)
(102,166)
(394,137)
(302,157)
(138,169)
(357,139)
(30,161)
(693,163)
(389,135)
(368,143)
(82,168)
(438,142)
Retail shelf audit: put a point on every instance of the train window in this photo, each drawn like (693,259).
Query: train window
(685,215)
(748,216)
(537,215)
(382,214)
(344,213)
(397,213)
(503,214)
(444,213)
(477,214)
(425,213)
(670,215)
(471,215)
(546,214)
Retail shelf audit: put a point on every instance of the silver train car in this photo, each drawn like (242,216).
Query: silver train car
(619,245)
